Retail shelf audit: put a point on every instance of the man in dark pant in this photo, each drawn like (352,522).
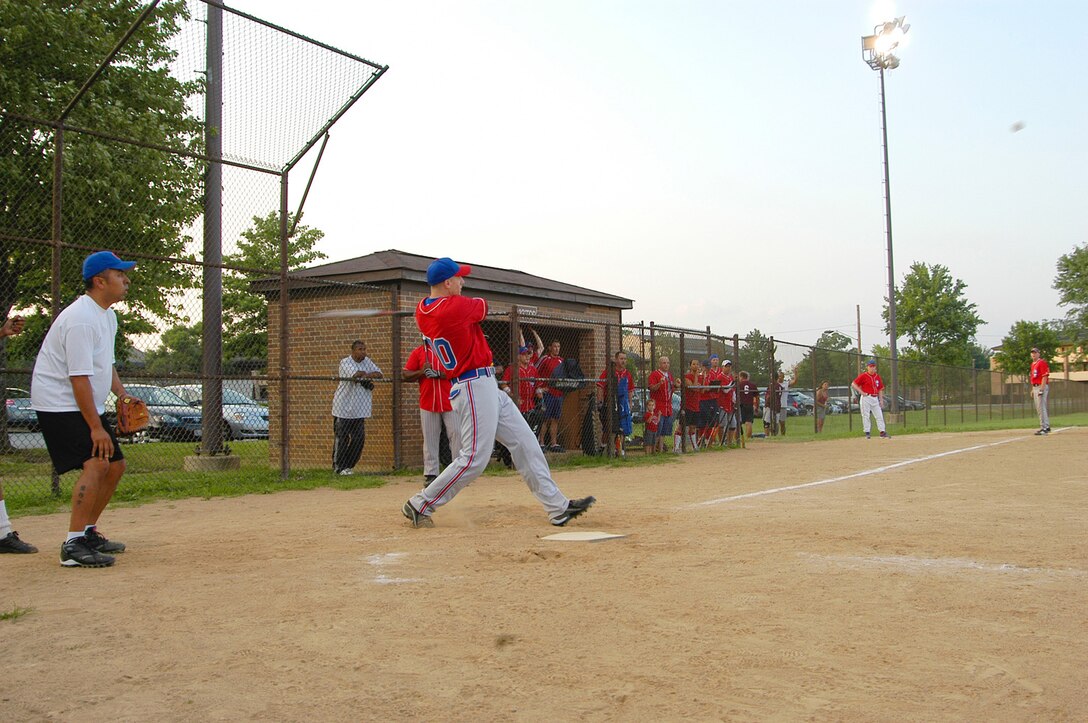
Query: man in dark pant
(350,438)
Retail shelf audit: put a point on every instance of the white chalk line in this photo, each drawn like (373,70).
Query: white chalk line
(947,564)
(863,473)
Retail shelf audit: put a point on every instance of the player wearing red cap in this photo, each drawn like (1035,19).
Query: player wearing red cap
(450,324)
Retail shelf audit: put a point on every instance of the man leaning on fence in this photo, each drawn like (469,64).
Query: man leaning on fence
(352,405)
(73,375)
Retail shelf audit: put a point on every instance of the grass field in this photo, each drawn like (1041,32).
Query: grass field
(155,470)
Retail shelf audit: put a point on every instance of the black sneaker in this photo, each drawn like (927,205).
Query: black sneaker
(13,544)
(76,553)
(98,542)
(417,519)
(1041,432)
(884,435)
(574,508)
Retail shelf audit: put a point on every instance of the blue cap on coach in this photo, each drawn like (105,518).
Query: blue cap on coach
(99,261)
(445,268)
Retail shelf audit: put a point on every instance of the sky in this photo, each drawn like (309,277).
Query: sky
(717,162)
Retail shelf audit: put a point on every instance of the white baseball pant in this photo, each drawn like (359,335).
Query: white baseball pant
(485,414)
(1040,394)
(431,423)
(870,404)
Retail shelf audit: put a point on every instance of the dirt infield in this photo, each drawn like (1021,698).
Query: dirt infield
(951,588)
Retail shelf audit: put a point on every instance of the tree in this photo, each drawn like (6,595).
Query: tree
(1071,283)
(245,313)
(835,358)
(754,357)
(180,351)
(114,195)
(1014,355)
(935,316)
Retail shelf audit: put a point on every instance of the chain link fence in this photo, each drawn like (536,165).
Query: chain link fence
(136,147)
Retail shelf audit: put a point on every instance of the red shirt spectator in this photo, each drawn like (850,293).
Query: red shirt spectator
(527,383)
(434,392)
(662,384)
(547,365)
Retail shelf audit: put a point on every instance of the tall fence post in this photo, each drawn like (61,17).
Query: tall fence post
(285,338)
(58,206)
(398,387)
(815,406)
(514,346)
(682,420)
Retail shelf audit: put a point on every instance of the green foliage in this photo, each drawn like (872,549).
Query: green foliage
(245,313)
(1014,356)
(15,613)
(755,355)
(1071,284)
(180,351)
(115,196)
(835,359)
(935,316)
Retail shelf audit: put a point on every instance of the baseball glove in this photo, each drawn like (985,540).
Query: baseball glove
(132,415)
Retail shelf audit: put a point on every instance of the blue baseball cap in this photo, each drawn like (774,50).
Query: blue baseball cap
(714,356)
(445,268)
(871,363)
(99,261)
(523,350)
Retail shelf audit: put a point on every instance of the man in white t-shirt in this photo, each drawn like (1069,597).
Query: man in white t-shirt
(352,404)
(73,374)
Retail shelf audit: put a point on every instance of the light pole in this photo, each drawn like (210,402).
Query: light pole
(876,50)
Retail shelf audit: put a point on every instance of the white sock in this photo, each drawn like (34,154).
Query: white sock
(5,523)
(74,535)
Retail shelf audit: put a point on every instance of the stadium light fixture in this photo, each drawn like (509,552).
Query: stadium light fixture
(877,50)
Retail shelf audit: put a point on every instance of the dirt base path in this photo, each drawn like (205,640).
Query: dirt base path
(950,588)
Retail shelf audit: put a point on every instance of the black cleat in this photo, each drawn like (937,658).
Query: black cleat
(76,553)
(98,542)
(574,508)
(418,519)
(1042,433)
(11,543)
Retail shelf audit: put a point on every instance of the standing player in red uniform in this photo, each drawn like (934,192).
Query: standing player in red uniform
(727,399)
(871,388)
(662,384)
(553,398)
(1040,389)
(527,382)
(434,407)
(450,324)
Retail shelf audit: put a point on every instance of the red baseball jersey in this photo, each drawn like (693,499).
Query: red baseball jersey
(652,420)
(869,383)
(434,393)
(728,392)
(713,375)
(1039,369)
(451,328)
(619,375)
(662,396)
(545,367)
(692,397)
(526,385)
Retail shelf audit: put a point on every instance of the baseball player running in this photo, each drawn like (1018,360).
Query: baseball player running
(870,387)
(450,324)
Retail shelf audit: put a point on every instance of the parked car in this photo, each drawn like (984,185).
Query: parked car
(910,404)
(19,413)
(172,418)
(245,418)
(838,406)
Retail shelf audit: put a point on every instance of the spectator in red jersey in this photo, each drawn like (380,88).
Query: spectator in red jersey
(1040,389)
(553,398)
(749,401)
(435,411)
(527,380)
(693,397)
(711,405)
(662,384)
(616,411)
(652,420)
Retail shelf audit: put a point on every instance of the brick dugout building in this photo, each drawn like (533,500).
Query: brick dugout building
(583,320)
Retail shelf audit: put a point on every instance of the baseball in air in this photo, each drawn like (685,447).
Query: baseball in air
(1017,127)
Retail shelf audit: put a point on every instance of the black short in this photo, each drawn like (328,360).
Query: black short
(68,439)
(747,413)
